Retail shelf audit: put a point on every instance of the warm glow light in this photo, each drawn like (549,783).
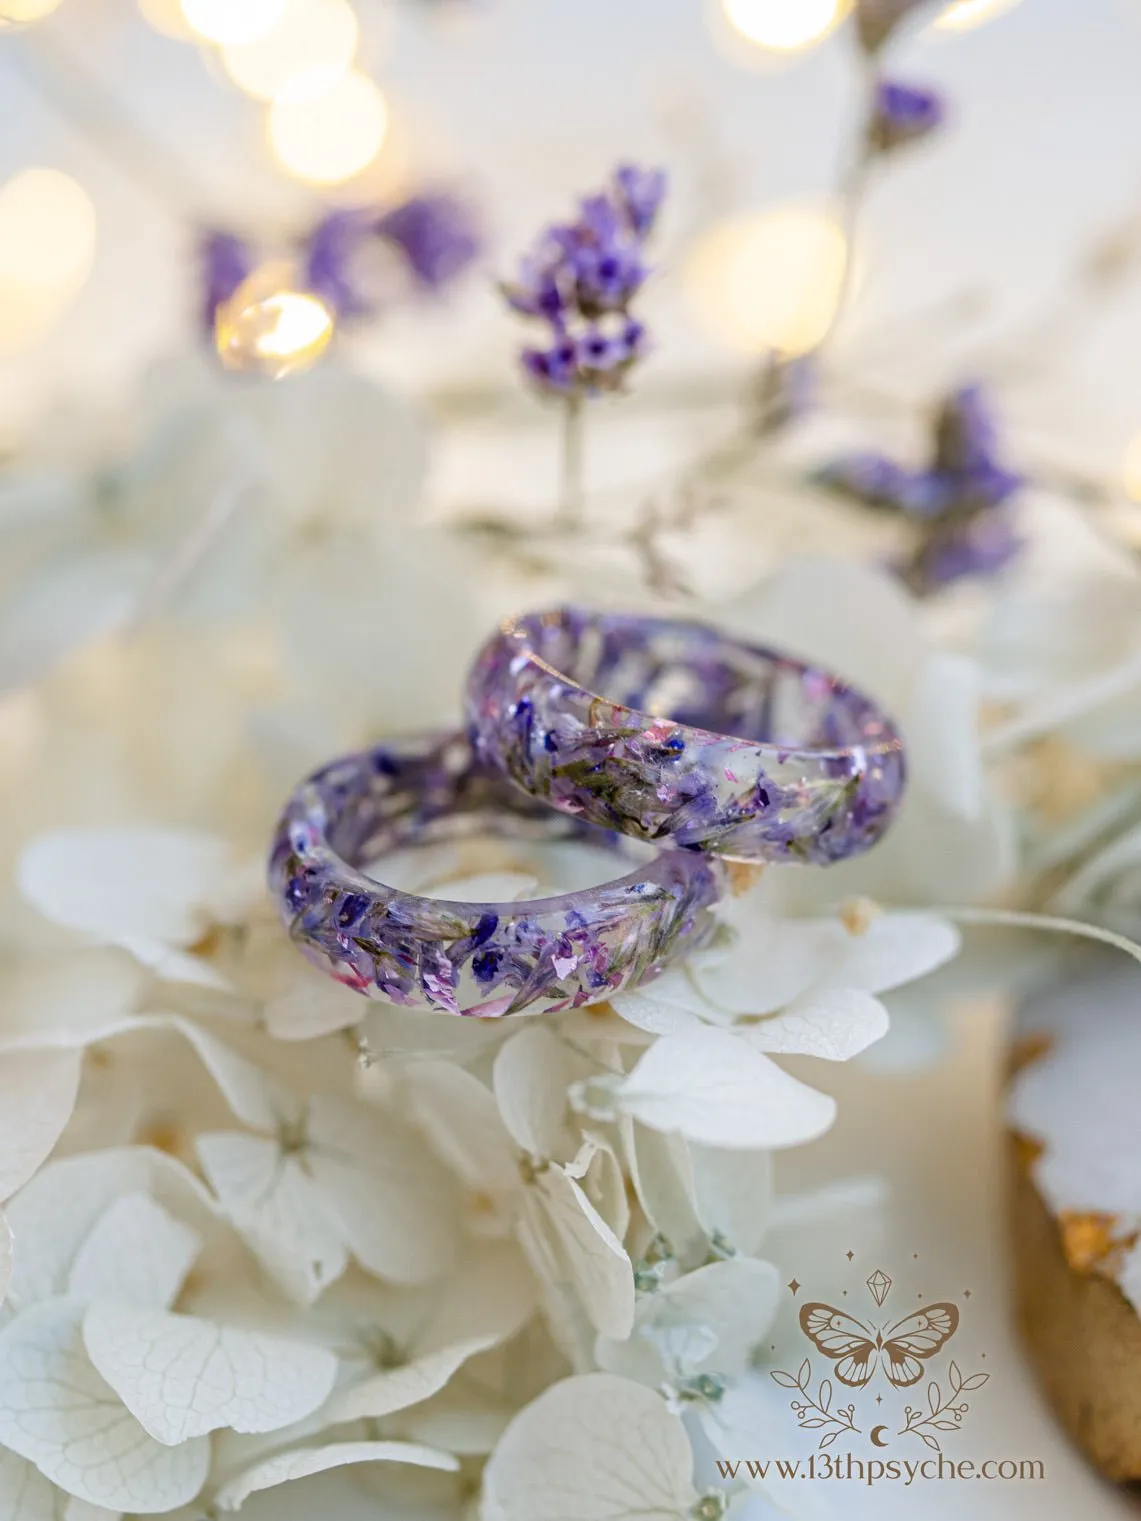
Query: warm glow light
(270,329)
(305,54)
(333,136)
(783,25)
(47,246)
(21,12)
(768,280)
(1131,468)
(230,23)
(962,15)
(166,16)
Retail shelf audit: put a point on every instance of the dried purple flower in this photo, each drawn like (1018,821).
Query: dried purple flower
(982,547)
(957,503)
(225,261)
(641,193)
(580,278)
(436,233)
(902,113)
(330,252)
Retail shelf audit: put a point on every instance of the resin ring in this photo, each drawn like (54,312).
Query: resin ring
(673,731)
(486,959)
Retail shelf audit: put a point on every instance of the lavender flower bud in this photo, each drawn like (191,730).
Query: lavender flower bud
(225,261)
(436,233)
(902,114)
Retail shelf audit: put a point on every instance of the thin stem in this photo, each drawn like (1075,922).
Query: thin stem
(571,504)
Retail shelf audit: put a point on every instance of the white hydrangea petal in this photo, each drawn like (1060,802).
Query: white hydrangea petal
(713,1087)
(397,1388)
(54,1213)
(662,1175)
(114,884)
(25,1495)
(733,1301)
(942,733)
(280,1212)
(896,948)
(5,1255)
(734,1195)
(171,965)
(137,1253)
(56,1411)
(772,962)
(669,1005)
(392,1031)
(252,1095)
(569,1241)
(305,1003)
(592,1448)
(531,1075)
(596,1166)
(37,1096)
(833,1025)
(462,1124)
(83,1510)
(303,1461)
(182,1377)
(396,1205)
(492,1293)
(66,1002)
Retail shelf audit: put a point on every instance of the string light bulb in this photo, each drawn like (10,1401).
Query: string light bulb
(305,54)
(768,281)
(965,15)
(269,327)
(331,137)
(784,26)
(48,235)
(24,12)
(230,23)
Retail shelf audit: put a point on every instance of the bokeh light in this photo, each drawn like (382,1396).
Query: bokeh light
(270,328)
(784,26)
(332,136)
(47,247)
(305,54)
(1131,468)
(231,23)
(167,17)
(962,15)
(768,280)
(24,12)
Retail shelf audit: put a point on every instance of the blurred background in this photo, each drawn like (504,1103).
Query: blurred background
(128,125)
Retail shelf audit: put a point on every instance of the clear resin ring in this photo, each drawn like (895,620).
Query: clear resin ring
(486,959)
(673,731)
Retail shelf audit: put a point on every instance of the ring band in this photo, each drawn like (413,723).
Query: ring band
(486,959)
(762,757)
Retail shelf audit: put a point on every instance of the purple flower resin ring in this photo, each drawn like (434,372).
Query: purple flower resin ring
(486,959)
(673,731)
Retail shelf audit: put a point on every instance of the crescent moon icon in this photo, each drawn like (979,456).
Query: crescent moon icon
(876,1435)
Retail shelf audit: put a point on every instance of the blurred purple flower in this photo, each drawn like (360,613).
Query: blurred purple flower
(329,252)
(903,113)
(224,260)
(876,20)
(957,503)
(580,279)
(437,234)
(982,547)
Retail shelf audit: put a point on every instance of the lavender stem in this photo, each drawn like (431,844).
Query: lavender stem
(571,500)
